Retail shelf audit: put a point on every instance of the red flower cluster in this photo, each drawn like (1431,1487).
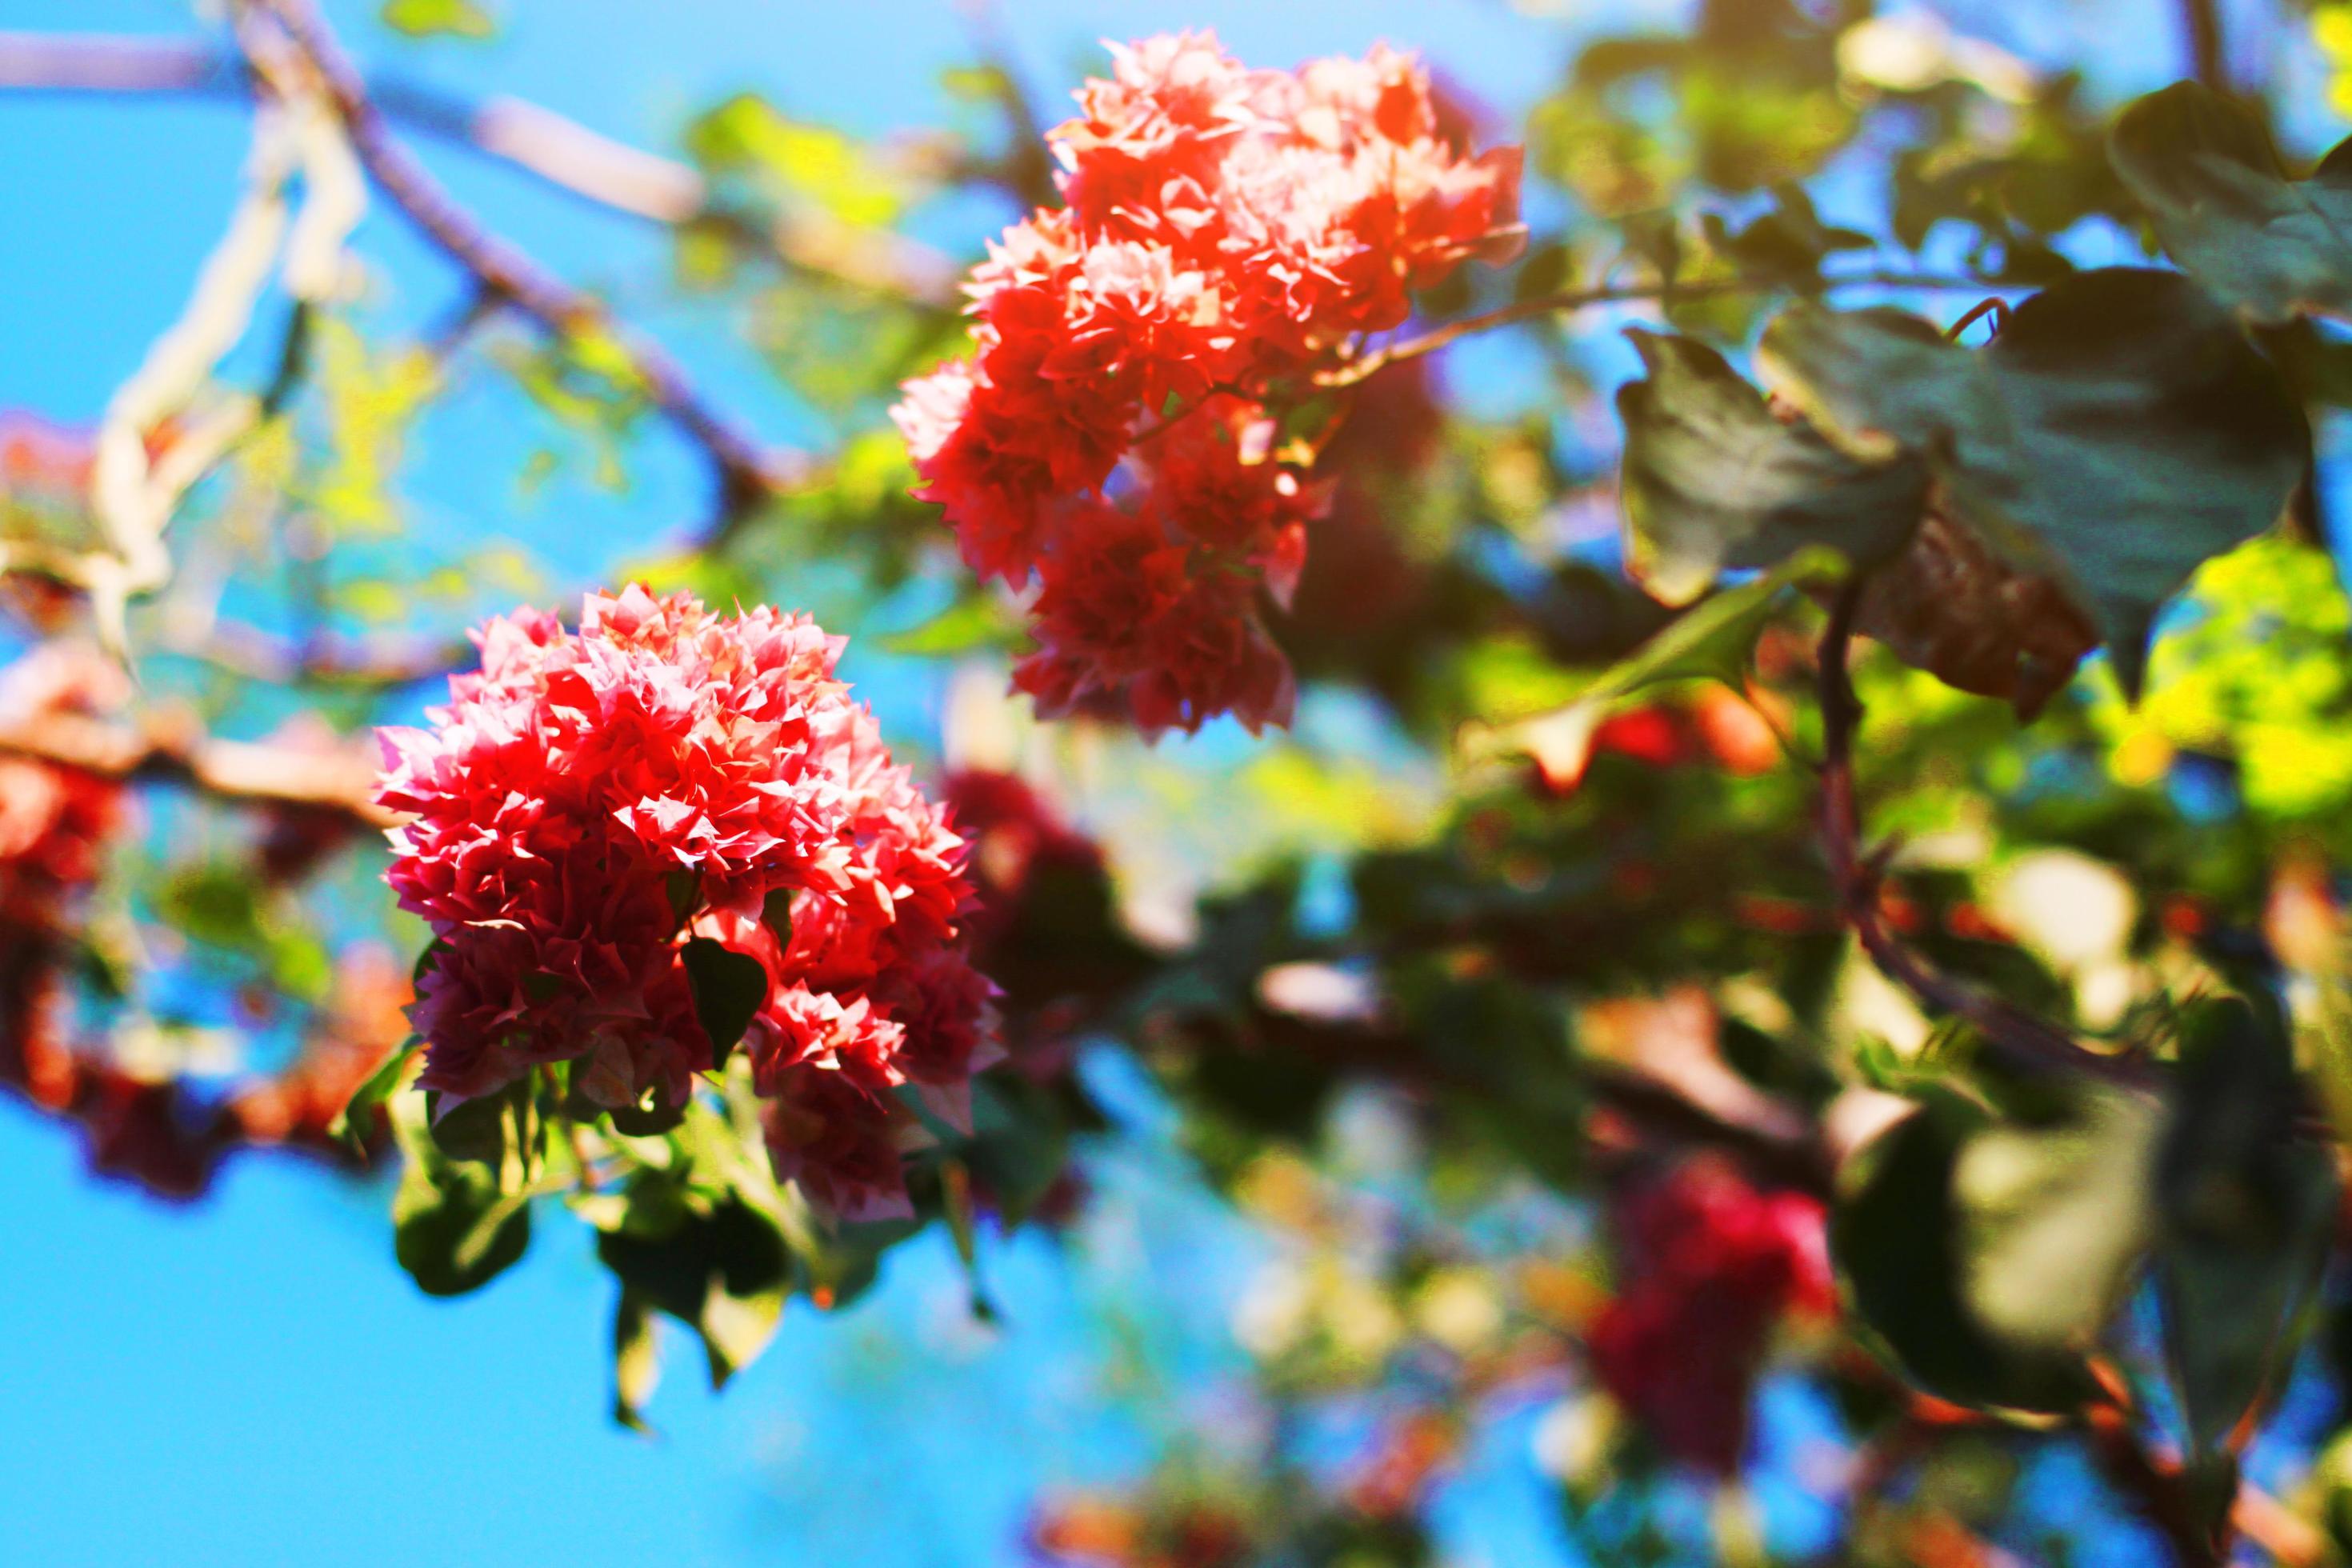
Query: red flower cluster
(1224,229)
(1712,1266)
(53,820)
(590,801)
(1045,903)
(55,824)
(1018,840)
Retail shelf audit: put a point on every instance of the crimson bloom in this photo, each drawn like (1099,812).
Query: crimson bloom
(589,802)
(1224,229)
(1713,1265)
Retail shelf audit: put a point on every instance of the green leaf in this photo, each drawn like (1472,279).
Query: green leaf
(2248,1211)
(1787,243)
(636,1361)
(685,890)
(426,18)
(725,1273)
(474,1131)
(1956,1222)
(1712,640)
(1019,1146)
(356,1121)
(776,914)
(970,625)
(650,1118)
(814,164)
(2206,171)
(453,1230)
(215,903)
(2119,432)
(730,988)
(1545,270)
(2055,1218)
(1712,480)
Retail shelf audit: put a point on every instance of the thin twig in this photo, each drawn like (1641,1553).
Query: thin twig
(2029,1042)
(747,473)
(239,773)
(248,653)
(549,147)
(2208,59)
(1661,294)
(2154,1484)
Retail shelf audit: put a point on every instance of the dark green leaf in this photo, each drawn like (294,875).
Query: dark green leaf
(724,1273)
(1545,270)
(2248,1211)
(427,19)
(730,988)
(685,889)
(477,1131)
(1710,641)
(776,914)
(2206,171)
(1787,244)
(2118,433)
(1903,1238)
(1712,480)
(355,1123)
(650,1118)
(453,1230)
(1019,1146)
(636,1361)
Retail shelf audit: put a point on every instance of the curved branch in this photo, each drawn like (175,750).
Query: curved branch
(748,472)
(1569,299)
(2029,1043)
(2208,59)
(236,772)
(549,147)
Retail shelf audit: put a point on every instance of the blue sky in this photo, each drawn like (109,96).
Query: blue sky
(254,1382)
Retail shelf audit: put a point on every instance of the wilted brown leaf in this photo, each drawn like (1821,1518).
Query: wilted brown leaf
(1949,605)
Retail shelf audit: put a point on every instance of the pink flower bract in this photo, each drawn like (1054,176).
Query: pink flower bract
(1713,1263)
(1225,230)
(590,801)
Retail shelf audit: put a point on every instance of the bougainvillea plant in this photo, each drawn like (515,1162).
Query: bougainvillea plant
(1699,755)
(1131,428)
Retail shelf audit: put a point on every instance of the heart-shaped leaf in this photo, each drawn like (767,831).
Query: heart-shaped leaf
(453,1229)
(724,1272)
(2207,173)
(1713,481)
(2119,432)
(2248,1211)
(730,989)
(1989,1255)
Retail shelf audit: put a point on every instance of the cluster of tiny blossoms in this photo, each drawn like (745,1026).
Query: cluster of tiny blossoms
(53,820)
(55,824)
(1226,231)
(589,802)
(1712,1265)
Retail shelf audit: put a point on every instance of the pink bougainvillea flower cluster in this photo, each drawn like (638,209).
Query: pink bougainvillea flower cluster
(55,824)
(1225,231)
(1713,1263)
(591,802)
(55,821)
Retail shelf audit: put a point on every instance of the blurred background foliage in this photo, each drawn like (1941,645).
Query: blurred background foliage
(1528,1078)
